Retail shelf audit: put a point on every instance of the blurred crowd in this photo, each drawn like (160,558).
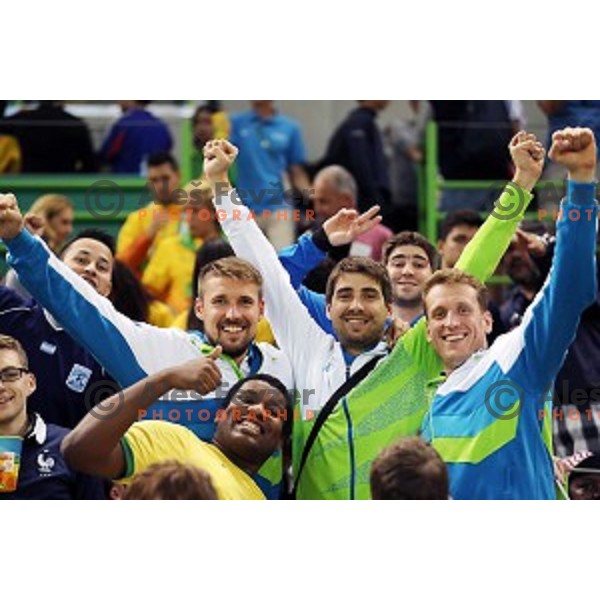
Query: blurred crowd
(278,328)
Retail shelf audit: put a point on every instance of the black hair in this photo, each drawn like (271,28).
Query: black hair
(207,253)
(410,238)
(201,109)
(273,382)
(160,158)
(128,295)
(92,234)
(462,216)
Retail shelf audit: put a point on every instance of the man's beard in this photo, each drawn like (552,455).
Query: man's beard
(234,353)
(415,302)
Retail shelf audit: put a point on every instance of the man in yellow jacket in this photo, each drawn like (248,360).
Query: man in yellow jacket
(145,228)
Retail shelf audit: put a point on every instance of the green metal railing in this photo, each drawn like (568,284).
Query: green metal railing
(133,194)
(429,214)
(430,186)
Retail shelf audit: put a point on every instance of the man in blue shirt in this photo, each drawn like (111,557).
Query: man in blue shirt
(71,380)
(488,414)
(134,137)
(43,472)
(271,161)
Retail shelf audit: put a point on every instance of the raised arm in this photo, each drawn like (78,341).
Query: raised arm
(127,350)
(484,252)
(294,329)
(94,445)
(550,323)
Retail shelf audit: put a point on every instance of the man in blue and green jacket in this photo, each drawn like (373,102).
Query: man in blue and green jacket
(486,418)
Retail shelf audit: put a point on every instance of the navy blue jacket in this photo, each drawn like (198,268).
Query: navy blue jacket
(357,146)
(70,381)
(44,474)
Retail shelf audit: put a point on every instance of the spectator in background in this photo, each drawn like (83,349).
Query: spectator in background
(43,473)
(581,474)
(203,130)
(456,230)
(132,299)
(577,385)
(570,113)
(56,213)
(334,189)
(209,121)
(525,273)
(10,151)
(168,275)
(134,138)
(402,141)
(357,145)
(171,480)
(70,380)
(564,113)
(51,215)
(473,138)
(51,140)
(272,158)
(410,469)
(409,259)
(160,219)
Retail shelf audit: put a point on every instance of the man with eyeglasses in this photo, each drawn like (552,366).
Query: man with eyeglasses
(43,472)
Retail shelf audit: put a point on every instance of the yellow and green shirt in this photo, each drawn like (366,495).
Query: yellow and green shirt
(150,442)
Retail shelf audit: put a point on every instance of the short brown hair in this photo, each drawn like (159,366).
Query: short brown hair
(231,267)
(455,276)
(411,238)
(171,480)
(10,343)
(365,266)
(410,469)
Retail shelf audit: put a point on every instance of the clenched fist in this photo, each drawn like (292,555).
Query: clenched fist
(575,149)
(11,219)
(219,155)
(528,157)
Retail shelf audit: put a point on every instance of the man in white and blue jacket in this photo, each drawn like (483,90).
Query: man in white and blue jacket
(487,415)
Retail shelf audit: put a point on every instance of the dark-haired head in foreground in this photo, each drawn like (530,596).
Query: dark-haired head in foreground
(410,469)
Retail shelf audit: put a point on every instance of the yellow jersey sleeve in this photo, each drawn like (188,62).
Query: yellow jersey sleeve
(150,442)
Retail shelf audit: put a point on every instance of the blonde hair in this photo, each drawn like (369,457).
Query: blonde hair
(50,205)
(10,343)
(47,207)
(456,277)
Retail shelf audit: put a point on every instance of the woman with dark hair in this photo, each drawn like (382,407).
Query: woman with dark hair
(130,297)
